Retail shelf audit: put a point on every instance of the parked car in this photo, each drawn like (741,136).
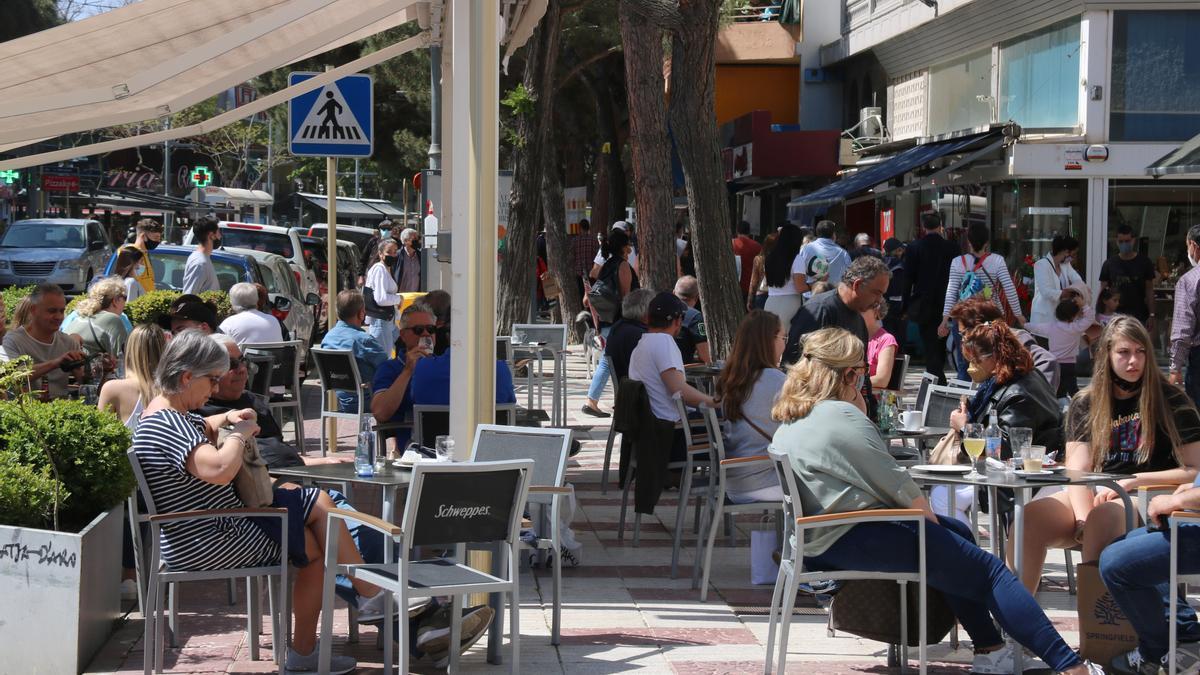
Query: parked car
(169,262)
(290,303)
(64,251)
(355,234)
(349,261)
(272,239)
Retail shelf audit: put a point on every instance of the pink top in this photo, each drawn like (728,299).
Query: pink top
(878,341)
(1064,337)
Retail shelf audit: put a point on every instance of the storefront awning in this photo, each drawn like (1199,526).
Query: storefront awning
(237,196)
(803,208)
(346,206)
(1185,160)
(384,207)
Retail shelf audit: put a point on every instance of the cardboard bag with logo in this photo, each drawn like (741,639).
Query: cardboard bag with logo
(1104,631)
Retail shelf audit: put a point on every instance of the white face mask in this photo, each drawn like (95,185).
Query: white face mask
(139,270)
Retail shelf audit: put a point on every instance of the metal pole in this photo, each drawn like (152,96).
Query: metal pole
(167,160)
(331,280)
(357,185)
(406,202)
(269,183)
(435,106)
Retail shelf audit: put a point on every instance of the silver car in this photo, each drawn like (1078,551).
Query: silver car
(65,251)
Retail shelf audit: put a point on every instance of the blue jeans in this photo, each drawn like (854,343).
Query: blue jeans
(960,361)
(1191,379)
(385,332)
(1135,568)
(600,378)
(975,583)
(368,542)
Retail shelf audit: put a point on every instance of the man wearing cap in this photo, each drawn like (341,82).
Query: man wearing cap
(862,246)
(893,257)
(190,311)
(149,236)
(658,365)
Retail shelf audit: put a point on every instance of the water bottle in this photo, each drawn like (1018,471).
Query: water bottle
(364,453)
(992,438)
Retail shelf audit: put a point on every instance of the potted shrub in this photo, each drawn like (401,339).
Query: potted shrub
(63,480)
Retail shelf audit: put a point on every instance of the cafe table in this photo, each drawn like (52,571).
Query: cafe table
(392,480)
(1023,489)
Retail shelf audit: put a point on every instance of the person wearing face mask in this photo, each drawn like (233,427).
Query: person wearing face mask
(199,275)
(381,297)
(128,266)
(1132,275)
(842,465)
(1052,276)
(1129,421)
(1185,338)
(149,236)
(407,268)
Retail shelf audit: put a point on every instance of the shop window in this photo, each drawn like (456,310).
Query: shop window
(1039,78)
(1155,76)
(1160,215)
(960,94)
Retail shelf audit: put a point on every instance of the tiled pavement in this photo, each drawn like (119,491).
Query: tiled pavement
(621,611)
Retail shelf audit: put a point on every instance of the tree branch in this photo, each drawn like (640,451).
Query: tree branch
(579,67)
(662,13)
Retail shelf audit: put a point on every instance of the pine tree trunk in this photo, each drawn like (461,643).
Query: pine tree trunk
(608,193)
(650,147)
(558,247)
(693,123)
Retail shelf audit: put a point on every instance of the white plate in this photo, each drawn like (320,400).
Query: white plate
(912,431)
(1043,472)
(942,468)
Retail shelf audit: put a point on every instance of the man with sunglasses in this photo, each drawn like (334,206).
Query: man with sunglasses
(391,401)
(348,334)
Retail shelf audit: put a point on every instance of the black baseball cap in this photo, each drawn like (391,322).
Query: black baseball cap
(666,307)
(892,244)
(198,311)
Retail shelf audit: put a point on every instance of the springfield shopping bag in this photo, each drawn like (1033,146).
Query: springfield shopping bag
(764,541)
(1104,631)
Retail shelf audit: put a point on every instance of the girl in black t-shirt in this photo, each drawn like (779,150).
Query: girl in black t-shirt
(1128,421)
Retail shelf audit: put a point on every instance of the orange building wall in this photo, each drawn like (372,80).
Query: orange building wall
(745,88)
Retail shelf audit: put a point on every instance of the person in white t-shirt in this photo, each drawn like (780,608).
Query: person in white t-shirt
(248,325)
(598,261)
(658,365)
(820,260)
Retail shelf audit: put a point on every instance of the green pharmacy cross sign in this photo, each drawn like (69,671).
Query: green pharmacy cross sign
(201,177)
(9,176)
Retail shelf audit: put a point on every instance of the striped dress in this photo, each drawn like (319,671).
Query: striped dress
(162,444)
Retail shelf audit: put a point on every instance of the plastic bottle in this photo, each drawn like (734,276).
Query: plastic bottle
(992,438)
(364,453)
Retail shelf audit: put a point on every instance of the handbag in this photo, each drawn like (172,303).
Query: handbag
(948,449)
(253,483)
(605,297)
(870,608)
(764,541)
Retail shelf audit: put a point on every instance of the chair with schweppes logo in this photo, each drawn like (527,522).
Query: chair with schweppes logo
(449,506)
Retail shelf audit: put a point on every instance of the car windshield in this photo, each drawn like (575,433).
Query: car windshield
(257,240)
(168,271)
(269,279)
(43,235)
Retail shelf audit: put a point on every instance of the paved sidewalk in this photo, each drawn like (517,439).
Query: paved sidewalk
(621,610)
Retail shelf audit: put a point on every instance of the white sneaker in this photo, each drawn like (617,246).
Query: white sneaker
(1031,662)
(299,664)
(129,589)
(370,610)
(999,662)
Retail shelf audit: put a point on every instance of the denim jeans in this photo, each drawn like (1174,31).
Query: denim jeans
(600,378)
(1135,568)
(1191,380)
(976,584)
(368,542)
(960,361)
(385,332)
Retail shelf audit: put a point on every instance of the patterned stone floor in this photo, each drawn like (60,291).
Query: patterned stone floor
(621,610)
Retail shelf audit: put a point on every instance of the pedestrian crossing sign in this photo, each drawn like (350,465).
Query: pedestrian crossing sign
(336,120)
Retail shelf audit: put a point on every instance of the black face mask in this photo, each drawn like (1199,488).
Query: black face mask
(1126,385)
(390,260)
(151,244)
(216,243)
(416,246)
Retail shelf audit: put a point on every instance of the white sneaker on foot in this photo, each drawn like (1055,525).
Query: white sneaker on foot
(999,662)
(301,664)
(129,589)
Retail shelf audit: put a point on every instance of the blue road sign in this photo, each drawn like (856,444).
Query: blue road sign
(337,120)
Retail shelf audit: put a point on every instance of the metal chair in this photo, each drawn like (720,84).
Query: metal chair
(448,505)
(940,401)
(540,340)
(159,576)
(927,380)
(612,437)
(430,421)
(899,372)
(287,375)
(791,565)
(1174,582)
(718,506)
(338,371)
(261,367)
(694,482)
(548,448)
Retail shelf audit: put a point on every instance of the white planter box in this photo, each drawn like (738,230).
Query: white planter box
(61,594)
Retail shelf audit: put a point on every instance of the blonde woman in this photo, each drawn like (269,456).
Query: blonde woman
(843,465)
(1128,421)
(128,396)
(21,313)
(99,318)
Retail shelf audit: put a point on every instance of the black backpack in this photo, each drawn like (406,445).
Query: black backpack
(605,296)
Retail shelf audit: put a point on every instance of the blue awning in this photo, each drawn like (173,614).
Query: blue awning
(803,209)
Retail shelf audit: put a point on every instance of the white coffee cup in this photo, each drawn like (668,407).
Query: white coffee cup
(912,419)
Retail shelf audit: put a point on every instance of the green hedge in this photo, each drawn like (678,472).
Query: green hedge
(12,295)
(152,306)
(89,450)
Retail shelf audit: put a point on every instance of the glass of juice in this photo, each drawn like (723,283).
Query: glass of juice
(1032,458)
(973,443)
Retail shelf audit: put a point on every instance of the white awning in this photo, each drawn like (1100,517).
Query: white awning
(237,196)
(156,57)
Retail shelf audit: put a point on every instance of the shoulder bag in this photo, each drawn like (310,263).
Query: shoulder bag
(253,483)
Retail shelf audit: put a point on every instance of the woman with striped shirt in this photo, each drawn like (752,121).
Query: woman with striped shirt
(989,274)
(186,470)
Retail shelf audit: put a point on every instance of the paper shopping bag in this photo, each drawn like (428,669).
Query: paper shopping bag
(1104,631)
(763,543)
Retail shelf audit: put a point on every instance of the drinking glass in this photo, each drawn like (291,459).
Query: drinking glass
(444,447)
(1019,438)
(973,442)
(1033,457)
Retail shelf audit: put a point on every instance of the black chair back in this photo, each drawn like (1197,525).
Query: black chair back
(940,402)
(264,366)
(337,369)
(465,503)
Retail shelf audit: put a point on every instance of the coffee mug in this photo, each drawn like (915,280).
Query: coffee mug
(912,419)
